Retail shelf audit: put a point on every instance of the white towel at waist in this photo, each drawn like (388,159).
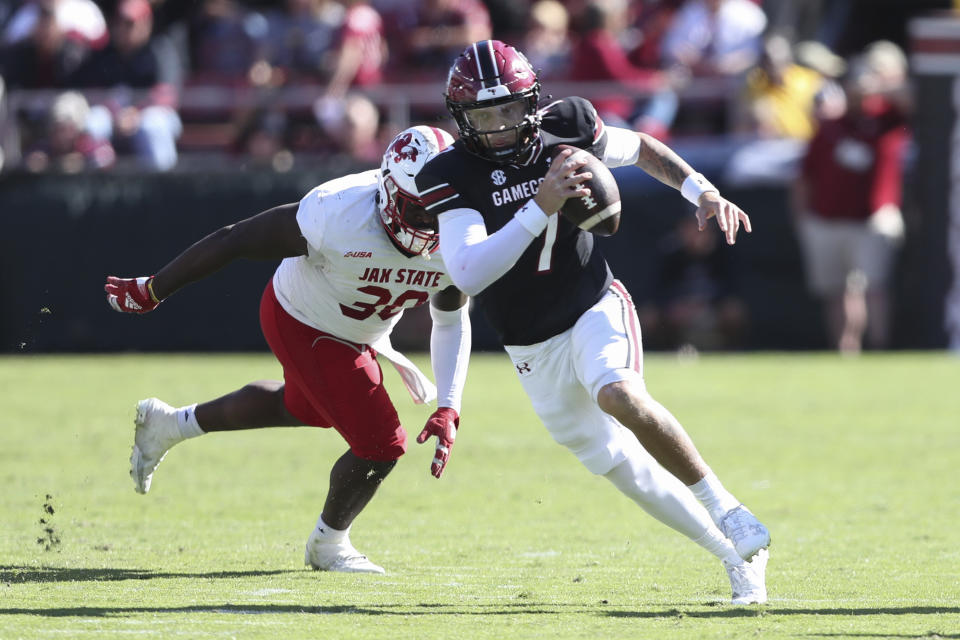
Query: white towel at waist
(421,389)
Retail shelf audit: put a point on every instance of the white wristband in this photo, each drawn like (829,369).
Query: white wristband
(532,217)
(695,186)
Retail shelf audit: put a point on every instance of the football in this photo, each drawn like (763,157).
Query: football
(599,212)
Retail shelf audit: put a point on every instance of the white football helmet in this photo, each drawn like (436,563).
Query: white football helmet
(401,209)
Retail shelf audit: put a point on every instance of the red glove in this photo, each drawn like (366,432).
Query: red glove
(131,295)
(443,424)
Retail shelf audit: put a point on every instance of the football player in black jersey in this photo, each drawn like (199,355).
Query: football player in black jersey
(570,328)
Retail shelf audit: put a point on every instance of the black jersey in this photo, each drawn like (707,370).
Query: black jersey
(561,274)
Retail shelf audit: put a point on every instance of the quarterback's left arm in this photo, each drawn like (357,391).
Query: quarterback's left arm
(450,341)
(660,161)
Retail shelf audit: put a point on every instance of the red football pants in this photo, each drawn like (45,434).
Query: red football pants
(331,382)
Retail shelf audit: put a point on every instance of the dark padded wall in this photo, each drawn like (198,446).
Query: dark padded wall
(61,235)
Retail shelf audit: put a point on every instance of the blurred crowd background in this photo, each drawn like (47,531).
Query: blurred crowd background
(812,94)
(162,84)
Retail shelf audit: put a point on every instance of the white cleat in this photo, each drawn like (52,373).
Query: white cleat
(336,556)
(747,534)
(156,431)
(748,579)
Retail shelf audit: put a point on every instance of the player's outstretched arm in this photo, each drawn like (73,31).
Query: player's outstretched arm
(450,342)
(270,235)
(664,164)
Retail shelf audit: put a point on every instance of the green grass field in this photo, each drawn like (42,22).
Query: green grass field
(852,463)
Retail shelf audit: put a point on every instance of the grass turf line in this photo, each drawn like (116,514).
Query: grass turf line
(851,463)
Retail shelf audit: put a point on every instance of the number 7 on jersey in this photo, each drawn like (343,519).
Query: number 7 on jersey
(549,239)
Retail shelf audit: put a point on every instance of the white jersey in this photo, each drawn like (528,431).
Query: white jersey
(353,282)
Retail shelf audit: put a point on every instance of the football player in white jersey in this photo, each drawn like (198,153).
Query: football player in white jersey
(356,252)
(570,328)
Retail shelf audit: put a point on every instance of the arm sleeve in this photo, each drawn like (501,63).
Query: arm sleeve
(474,259)
(622,147)
(450,342)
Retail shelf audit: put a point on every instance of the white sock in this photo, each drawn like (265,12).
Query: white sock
(187,422)
(716,543)
(328,533)
(712,495)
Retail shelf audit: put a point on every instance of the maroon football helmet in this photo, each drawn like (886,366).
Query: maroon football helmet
(489,74)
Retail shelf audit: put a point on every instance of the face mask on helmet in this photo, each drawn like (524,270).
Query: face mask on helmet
(492,93)
(402,211)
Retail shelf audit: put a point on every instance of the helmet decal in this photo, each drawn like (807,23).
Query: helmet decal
(402,150)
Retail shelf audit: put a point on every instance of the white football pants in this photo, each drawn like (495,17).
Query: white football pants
(562,377)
